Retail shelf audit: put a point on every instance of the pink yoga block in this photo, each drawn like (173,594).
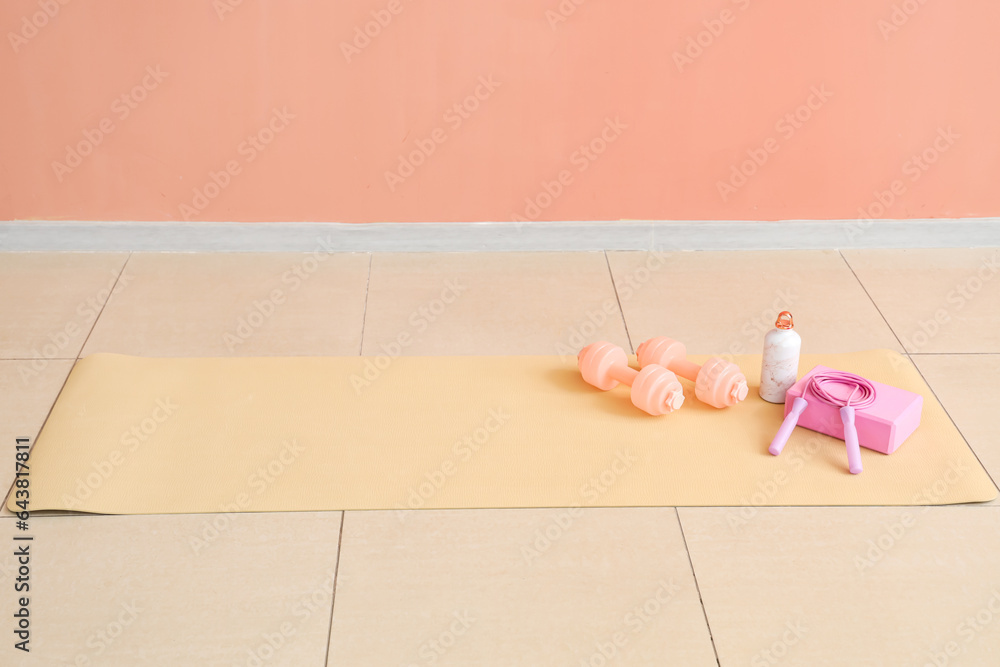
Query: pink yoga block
(882,426)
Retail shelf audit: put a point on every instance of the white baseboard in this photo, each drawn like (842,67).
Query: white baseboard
(83,236)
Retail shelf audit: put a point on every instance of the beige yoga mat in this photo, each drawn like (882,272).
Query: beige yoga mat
(133,435)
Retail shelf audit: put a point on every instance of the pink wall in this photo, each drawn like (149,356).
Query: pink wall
(158,96)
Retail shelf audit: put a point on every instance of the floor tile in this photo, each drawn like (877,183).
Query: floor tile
(517,587)
(251,304)
(849,586)
(490,303)
(967,387)
(936,300)
(207,589)
(29,388)
(724,302)
(49,301)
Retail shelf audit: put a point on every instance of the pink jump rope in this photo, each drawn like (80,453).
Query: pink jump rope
(819,387)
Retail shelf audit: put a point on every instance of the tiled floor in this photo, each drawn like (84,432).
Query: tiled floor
(650,586)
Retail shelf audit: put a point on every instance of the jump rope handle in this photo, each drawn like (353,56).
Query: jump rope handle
(787,426)
(851,438)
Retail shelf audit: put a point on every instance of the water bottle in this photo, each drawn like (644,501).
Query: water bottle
(780,364)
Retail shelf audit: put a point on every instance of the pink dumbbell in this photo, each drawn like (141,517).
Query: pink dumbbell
(716,382)
(654,389)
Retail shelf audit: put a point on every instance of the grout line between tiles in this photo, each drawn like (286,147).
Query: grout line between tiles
(333,596)
(48,413)
(618,298)
(694,576)
(364,312)
(953,423)
(947,354)
(97,319)
(986,506)
(910,358)
(34,437)
(879,310)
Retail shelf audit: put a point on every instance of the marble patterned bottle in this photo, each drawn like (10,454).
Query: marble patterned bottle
(780,364)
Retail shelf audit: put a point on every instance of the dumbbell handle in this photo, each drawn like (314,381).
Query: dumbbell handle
(623,373)
(686,369)
(718,382)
